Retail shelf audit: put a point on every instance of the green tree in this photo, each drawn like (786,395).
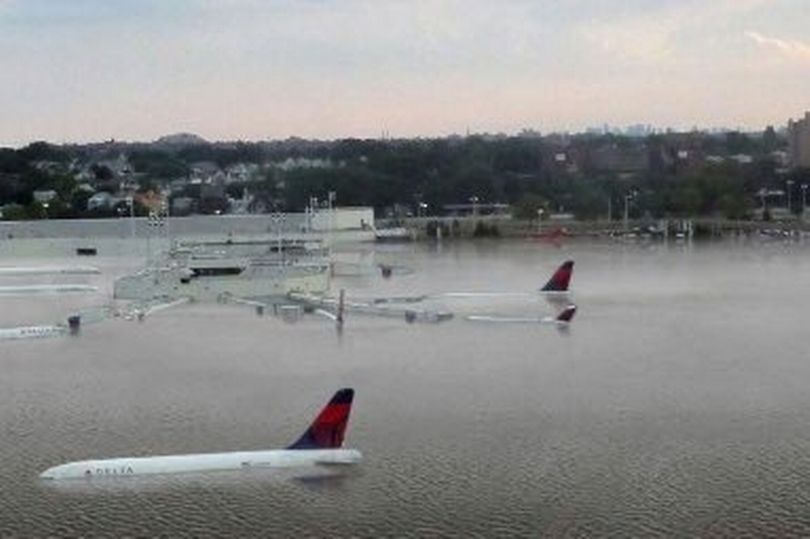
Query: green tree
(526,208)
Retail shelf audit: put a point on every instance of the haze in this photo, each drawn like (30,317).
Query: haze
(89,70)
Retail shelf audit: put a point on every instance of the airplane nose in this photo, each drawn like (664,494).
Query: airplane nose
(54,472)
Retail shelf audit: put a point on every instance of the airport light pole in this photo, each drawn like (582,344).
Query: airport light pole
(165,208)
(278,219)
(150,224)
(627,198)
(131,202)
(313,210)
(332,220)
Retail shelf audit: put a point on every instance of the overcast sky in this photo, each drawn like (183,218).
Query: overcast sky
(81,70)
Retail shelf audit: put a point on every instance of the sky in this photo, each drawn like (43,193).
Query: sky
(91,70)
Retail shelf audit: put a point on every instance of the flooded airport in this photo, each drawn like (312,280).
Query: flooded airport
(674,404)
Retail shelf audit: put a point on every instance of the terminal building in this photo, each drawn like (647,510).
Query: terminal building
(799,142)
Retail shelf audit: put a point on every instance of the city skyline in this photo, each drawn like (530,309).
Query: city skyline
(244,69)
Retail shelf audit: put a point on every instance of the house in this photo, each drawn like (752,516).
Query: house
(120,166)
(241,205)
(44,196)
(203,172)
(101,201)
(292,163)
(743,159)
(151,200)
(240,173)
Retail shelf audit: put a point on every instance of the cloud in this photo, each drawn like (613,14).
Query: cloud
(642,32)
(632,40)
(791,48)
(89,69)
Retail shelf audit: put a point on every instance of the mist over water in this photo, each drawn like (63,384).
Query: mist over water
(676,403)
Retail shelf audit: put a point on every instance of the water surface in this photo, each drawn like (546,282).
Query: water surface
(676,404)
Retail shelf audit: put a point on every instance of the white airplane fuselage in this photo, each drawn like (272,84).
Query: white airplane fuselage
(48,270)
(516,319)
(32,332)
(204,462)
(46,289)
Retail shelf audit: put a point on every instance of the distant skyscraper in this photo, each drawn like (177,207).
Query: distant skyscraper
(799,141)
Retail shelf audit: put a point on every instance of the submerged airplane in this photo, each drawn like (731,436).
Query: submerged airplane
(32,332)
(557,285)
(13,271)
(46,289)
(555,290)
(40,332)
(410,308)
(321,444)
(562,319)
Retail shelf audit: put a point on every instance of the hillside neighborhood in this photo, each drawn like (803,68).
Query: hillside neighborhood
(588,176)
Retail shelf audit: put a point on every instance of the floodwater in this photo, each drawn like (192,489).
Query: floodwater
(676,404)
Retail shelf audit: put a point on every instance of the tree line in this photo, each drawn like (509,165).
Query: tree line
(582,174)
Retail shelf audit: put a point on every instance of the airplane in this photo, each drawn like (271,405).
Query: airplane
(40,332)
(395,307)
(557,285)
(46,289)
(387,270)
(555,290)
(32,332)
(321,444)
(13,271)
(561,320)
(410,308)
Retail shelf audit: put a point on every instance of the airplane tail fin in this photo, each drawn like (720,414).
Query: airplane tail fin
(328,429)
(567,314)
(561,278)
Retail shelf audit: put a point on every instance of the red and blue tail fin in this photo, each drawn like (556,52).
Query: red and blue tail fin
(328,429)
(561,278)
(567,314)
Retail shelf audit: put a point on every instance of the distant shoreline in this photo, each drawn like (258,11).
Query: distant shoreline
(420,229)
(672,228)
